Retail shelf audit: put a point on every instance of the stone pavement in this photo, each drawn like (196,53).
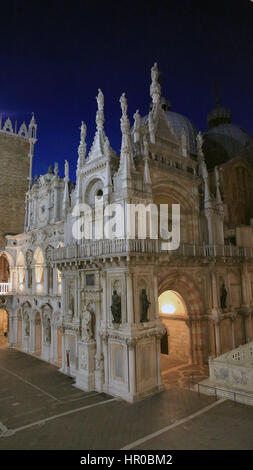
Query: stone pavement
(40,409)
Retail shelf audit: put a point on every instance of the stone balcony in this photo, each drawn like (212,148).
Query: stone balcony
(124,247)
(5,288)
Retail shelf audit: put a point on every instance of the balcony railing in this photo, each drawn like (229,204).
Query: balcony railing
(5,288)
(124,246)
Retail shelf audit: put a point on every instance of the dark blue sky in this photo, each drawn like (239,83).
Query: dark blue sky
(54,55)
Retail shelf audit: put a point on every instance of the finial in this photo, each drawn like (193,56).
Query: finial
(137,125)
(124,121)
(66,170)
(100,100)
(200,142)
(100,112)
(83,134)
(32,118)
(155,87)
(82,145)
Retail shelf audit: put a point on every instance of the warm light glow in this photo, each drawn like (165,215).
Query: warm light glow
(21,286)
(171,302)
(168,308)
(39,287)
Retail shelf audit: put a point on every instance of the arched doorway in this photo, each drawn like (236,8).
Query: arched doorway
(4,327)
(38,334)
(176,342)
(4,275)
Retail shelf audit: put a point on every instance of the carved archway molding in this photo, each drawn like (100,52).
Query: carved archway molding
(186,287)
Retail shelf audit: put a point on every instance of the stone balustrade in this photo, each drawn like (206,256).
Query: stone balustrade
(5,288)
(124,246)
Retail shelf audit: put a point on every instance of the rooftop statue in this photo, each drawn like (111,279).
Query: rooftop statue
(100,100)
(123,104)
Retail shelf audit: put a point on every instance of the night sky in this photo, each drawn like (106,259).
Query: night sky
(55,55)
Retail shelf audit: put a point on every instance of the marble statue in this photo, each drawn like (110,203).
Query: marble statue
(66,169)
(223,296)
(116,307)
(27,324)
(154,73)
(123,104)
(144,306)
(47,329)
(100,100)
(87,333)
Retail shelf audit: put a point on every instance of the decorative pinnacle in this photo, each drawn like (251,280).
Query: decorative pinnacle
(124,121)
(137,120)
(66,171)
(155,87)
(200,142)
(100,112)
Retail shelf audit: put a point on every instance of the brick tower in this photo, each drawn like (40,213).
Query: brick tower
(16,155)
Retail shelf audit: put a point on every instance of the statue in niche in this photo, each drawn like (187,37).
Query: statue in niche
(116,307)
(87,333)
(144,306)
(47,329)
(223,296)
(27,324)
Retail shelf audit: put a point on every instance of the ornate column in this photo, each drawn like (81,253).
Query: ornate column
(130,307)
(232,319)
(33,280)
(132,367)
(99,371)
(106,366)
(217,336)
(32,335)
(45,290)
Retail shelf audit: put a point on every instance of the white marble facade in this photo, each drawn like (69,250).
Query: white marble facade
(62,289)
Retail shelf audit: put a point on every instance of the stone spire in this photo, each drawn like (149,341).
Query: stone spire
(97,148)
(108,176)
(100,112)
(82,146)
(146,176)
(126,153)
(137,126)
(203,170)
(32,134)
(65,201)
(219,203)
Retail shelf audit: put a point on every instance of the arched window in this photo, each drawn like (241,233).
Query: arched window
(21,272)
(39,271)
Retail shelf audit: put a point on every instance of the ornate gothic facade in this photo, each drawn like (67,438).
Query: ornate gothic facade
(102,308)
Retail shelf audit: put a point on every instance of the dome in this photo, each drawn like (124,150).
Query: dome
(178,122)
(219,115)
(225,142)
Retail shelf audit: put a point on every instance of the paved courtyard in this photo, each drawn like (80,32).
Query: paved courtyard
(41,409)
